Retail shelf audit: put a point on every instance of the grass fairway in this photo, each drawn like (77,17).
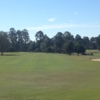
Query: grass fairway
(41,76)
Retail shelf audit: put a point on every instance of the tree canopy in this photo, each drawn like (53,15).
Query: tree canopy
(19,40)
(4,42)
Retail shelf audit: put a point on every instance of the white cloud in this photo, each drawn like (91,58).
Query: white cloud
(62,26)
(51,19)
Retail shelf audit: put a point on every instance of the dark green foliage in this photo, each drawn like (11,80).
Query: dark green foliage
(70,48)
(93,43)
(78,48)
(86,42)
(39,35)
(26,39)
(50,50)
(4,42)
(19,40)
(60,43)
(13,39)
(98,42)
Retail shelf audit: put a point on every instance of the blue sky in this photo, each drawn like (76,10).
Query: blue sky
(51,16)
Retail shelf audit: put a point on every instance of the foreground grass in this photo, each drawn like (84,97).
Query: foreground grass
(40,76)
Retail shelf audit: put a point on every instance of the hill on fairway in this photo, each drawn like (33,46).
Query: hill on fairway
(41,76)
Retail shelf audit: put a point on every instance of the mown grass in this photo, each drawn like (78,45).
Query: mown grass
(42,76)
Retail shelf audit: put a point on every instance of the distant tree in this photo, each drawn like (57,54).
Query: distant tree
(68,36)
(31,46)
(78,39)
(58,42)
(69,47)
(43,47)
(13,39)
(39,35)
(20,40)
(50,49)
(93,43)
(45,44)
(79,48)
(26,39)
(39,38)
(68,42)
(86,42)
(4,42)
(98,42)
(25,36)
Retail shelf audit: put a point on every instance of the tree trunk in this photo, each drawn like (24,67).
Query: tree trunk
(1,53)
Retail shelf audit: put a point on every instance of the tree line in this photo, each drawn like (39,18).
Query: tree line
(19,41)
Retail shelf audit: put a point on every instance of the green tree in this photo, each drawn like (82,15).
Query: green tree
(4,42)
(79,48)
(93,43)
(68,36)
(78,39)
(13,39)
(31,46)
(68,43)
(39,39)
(39,35)
(69,47)
(98,42)
(86,42)
(45,44)
(26,39)
(20,40)
(58,42)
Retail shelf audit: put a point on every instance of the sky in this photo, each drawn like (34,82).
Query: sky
(51,16)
